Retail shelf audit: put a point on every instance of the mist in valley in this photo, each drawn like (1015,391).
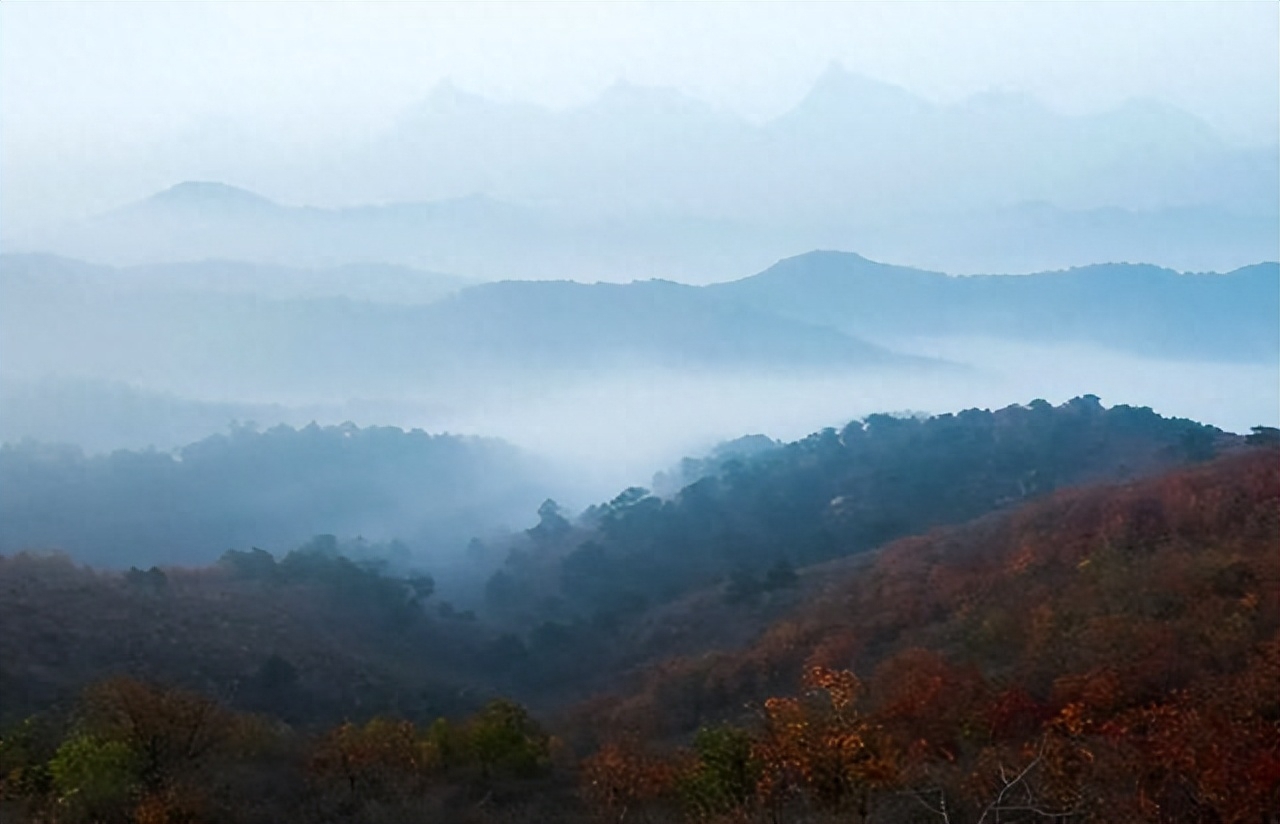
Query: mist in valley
(614,429)
(120,382)
(610,382)
(578,412)
(453,306)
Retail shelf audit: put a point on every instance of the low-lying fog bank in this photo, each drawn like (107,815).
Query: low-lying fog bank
(610,429)
(618,430)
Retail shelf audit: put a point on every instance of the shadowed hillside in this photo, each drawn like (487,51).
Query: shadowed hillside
(311,639)
(272,489)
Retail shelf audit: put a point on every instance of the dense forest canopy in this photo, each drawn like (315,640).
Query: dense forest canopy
(1046,659)
(639,413)
(832,494)
(1108,653)
(273,488)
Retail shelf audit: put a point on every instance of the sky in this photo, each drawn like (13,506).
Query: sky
(86,87)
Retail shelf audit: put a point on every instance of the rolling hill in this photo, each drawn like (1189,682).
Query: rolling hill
(1098,648)
(1138,308)
(215,332)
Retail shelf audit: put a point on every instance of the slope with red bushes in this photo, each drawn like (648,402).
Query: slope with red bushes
(1107,653)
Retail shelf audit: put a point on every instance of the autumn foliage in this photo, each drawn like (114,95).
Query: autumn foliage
(1108,654)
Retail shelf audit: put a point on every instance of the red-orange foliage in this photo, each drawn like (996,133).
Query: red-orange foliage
(1108,653)
(924,700)
(620,777)
(383,758)
(820,745)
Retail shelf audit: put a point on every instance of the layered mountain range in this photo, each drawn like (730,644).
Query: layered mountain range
(112,357)
(648,182)
(813,311)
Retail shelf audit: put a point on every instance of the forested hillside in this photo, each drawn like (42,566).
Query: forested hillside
(833,494)
(273,489)
(639,413)
(310,638)
(1102,653)
(1109,653)
(575,599)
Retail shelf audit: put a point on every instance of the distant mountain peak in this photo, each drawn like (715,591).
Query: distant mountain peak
(1157,117)
(840,91)
(449,105)
(827,256)
(449,96)
(206,193)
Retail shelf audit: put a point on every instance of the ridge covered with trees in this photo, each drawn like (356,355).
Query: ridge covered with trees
(273,488)
(752,520)
(1102,653)
(1105,654)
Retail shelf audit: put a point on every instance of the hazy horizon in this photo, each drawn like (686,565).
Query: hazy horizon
(103,104)
(388,179)
(514,412)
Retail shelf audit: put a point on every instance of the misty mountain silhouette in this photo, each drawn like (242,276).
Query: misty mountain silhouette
(654,322)
(489,238)
(234,203)
(513,330)
(199,194)
(593,191)
(842,97)
(648,182)
(1141,308)
(817,313)
(372,282)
